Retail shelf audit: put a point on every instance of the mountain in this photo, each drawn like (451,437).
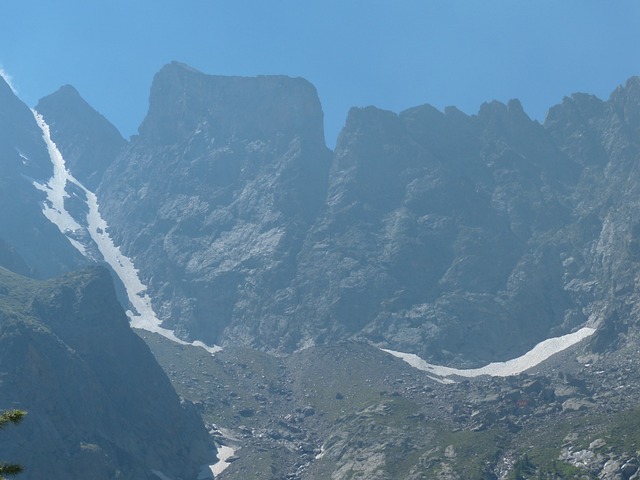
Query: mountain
(451,236)
(222,185)
(439,237)
(435,233)
(99,406)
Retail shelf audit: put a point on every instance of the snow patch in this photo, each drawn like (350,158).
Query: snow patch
(142,316)
(9,79)
(224,453)
(541,352)
(55,190)
(25,160)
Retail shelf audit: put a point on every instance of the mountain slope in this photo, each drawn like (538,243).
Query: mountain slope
(99,405)
(222,184)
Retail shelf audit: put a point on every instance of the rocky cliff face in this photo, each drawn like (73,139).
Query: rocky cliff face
(222,185)
(436,230)
(99,405)
(461,238)
(602,136)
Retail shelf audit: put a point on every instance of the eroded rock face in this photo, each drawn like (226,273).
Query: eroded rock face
(437,232)
(222,185)
(455,237)
(99,406)
(465,239)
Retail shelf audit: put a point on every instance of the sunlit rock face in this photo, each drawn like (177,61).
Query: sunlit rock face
(215,197)
(437,232)
(99,406)
(465,239)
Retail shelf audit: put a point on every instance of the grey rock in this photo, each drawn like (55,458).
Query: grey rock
(612,470)
(577,404)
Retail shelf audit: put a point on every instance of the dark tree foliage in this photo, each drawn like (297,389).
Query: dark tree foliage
(10,416)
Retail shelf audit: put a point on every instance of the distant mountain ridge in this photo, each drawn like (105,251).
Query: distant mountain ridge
(462,239)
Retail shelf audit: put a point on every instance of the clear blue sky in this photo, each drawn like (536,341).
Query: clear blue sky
(393,54)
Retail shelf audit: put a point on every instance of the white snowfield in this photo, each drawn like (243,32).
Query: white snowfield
(55,190)
(224,453)
(538,354)
(142,316)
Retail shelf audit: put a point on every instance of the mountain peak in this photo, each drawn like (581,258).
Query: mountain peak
(69,90)
(180,66)
(184,100)
(5,88)
(626,100)
(95,140)
(631,88)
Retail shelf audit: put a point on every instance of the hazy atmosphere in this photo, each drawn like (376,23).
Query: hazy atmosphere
(255,240)
(393,55)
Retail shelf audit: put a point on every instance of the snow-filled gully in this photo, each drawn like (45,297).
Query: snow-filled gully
(142,316)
